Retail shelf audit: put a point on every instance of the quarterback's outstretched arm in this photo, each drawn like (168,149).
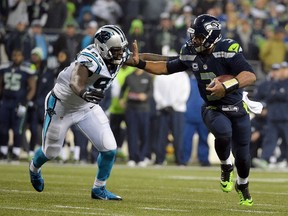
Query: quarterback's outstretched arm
(157,66)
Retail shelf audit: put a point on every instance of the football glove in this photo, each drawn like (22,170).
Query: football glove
(92,95)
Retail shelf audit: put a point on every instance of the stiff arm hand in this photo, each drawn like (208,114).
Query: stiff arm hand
(134,56)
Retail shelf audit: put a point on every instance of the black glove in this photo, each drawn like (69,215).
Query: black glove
(92,95)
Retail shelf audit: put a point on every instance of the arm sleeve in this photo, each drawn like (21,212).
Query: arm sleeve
(176,65)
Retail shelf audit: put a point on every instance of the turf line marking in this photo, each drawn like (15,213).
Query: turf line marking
(213,178)
(164,209)
(252,211)
(53,211)
(182,210)
(78,207)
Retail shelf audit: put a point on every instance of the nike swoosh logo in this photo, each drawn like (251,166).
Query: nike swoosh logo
(224,185)
(91,107)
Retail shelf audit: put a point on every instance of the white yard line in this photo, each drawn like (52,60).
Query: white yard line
(52,211)
(164,209)
(213,178)
(78,207)
(182,210)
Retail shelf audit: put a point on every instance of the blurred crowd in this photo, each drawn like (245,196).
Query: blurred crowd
(44,36)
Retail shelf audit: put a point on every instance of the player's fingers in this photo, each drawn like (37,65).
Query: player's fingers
(135,46)
(135,52)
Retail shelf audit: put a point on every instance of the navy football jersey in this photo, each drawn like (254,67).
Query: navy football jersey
(226,58)
(16,80)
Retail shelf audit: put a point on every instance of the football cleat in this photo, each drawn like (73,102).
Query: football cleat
(37,181)
(226,182)
(243,191)
(103,194)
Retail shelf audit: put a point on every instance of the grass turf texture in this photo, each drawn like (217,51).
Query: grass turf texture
(168,190)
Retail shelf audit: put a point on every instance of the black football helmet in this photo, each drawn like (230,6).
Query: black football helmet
(206,27)
(111,43)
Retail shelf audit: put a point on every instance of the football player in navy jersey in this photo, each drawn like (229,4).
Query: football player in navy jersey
(17,87)
(74,100)
(224,112)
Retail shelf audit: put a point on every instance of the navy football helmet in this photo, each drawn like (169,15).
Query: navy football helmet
(207,28)
(111,43)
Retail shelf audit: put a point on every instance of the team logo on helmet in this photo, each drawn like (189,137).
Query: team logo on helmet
(103,36)
(212,26)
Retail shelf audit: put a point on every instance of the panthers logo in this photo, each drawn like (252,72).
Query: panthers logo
(103,36)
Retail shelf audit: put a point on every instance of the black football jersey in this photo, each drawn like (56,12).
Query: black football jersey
(16,80)
(226,58)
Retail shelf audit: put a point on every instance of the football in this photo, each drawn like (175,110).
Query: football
(222,79)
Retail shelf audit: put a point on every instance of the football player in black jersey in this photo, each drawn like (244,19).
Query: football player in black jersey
(224,112)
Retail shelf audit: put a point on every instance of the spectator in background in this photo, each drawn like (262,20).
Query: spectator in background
(230,28)
(107,11)
(36,33)
(71,9)
(17,13)
(258,130)
(17,87)
(19,39)
(140,87)
(132,10)
(136,32)
(259,9)
(38,10)
(259,121)
(277,116)
(69,40)
(85,17)
(35,111)
(62,60)
(175,9)
(90,31)
(171,94)
(150,11)
(164,39)
(4,11)
(203,6)
(274,49)
(117,111)
(185,17)
(244,35)
(57,13)
(193,123)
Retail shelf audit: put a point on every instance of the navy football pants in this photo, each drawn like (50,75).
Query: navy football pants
(232,131)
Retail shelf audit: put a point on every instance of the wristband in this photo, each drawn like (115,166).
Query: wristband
(141,64)
(231,85)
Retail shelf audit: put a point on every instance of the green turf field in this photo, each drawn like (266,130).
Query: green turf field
(148,191)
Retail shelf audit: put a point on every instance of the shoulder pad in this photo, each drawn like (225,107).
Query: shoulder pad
(90,58)
(28,68)
(229,45)
(5,65)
